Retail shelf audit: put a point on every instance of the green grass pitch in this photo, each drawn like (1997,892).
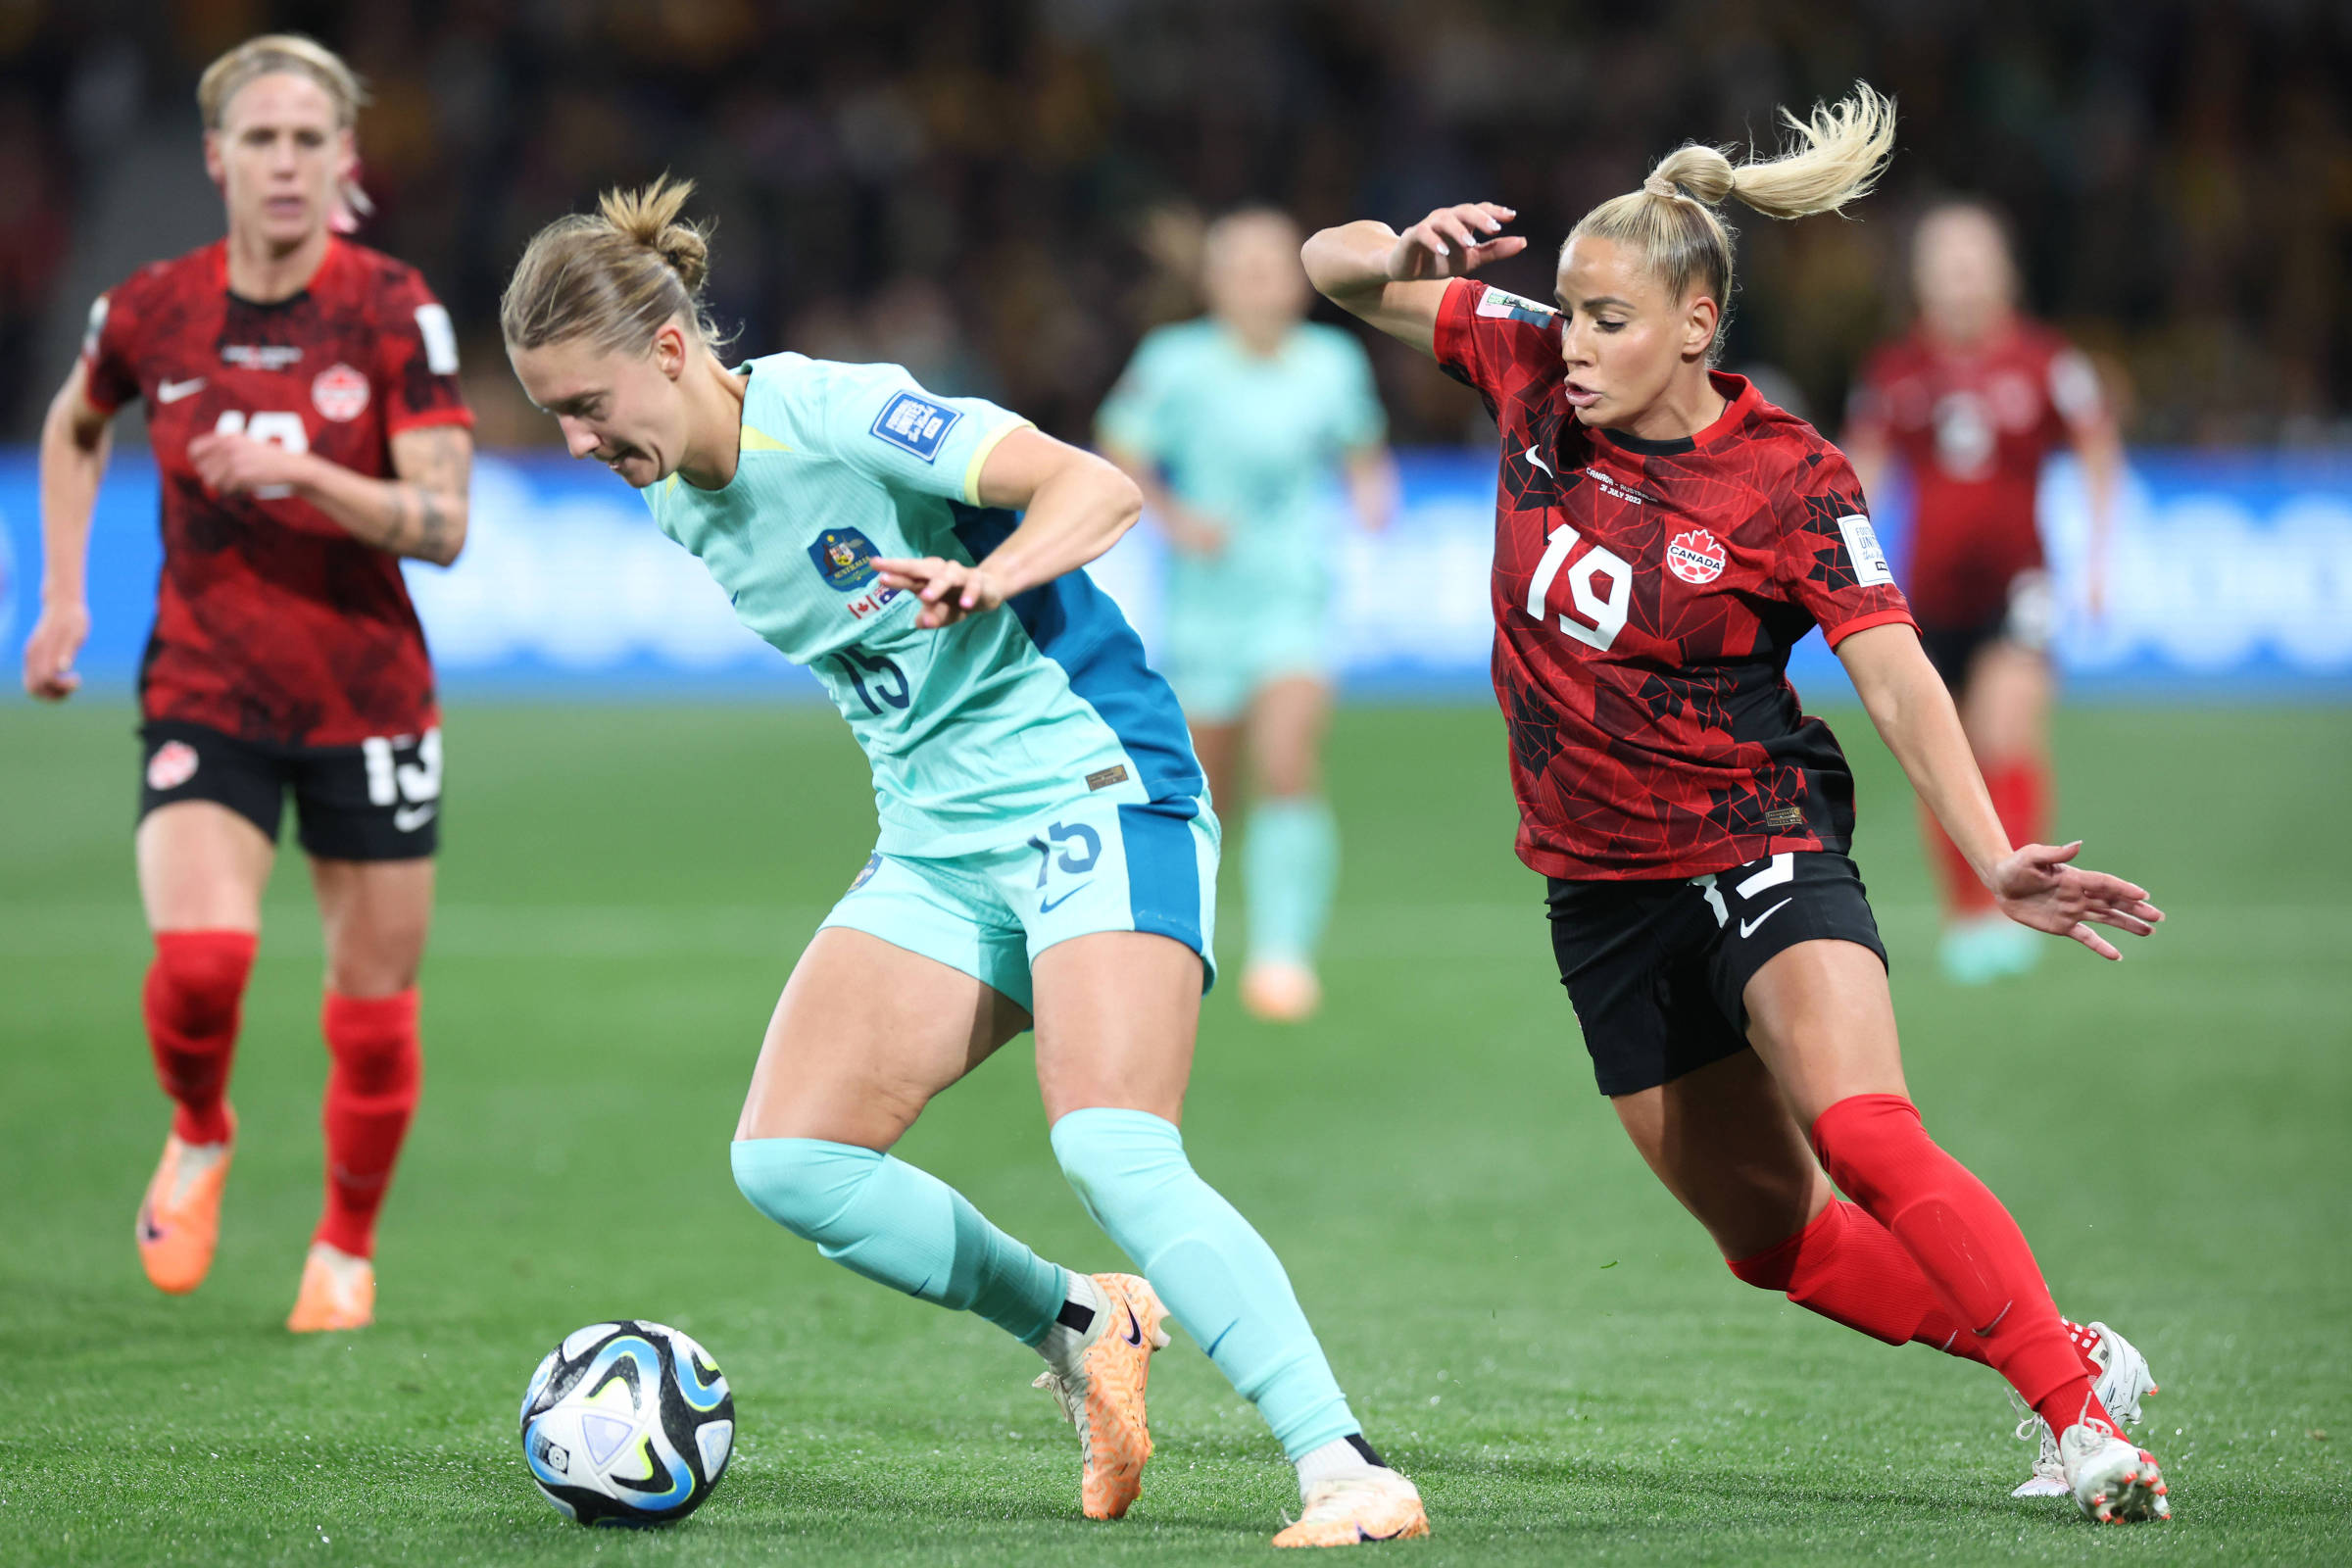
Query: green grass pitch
(1526,1322)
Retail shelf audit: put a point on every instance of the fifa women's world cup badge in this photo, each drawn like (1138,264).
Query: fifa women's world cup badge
(844,558)
(1695,555)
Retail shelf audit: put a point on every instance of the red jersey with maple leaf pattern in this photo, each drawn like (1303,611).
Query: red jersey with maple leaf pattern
(1646,595)
(1974,427)
(271,622)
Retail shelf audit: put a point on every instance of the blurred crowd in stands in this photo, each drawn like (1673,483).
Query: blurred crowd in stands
(1003,196)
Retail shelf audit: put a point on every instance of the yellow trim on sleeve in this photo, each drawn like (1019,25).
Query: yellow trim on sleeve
(988,444)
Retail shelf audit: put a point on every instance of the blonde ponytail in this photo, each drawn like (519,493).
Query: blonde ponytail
(614,277)
(1838,156)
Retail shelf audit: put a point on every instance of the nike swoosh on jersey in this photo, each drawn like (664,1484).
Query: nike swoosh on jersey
(173,391)
(1748,928)
(408,819)
(1048,906)
(1539,461)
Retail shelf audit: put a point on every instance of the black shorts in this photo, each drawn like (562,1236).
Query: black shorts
(2028,620)
(377,801)
(1658,971)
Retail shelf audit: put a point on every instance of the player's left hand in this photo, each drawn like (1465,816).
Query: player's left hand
(2037,887)
(950,590)
(231,464)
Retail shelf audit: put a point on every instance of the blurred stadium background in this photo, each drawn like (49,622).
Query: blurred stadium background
(1005,197)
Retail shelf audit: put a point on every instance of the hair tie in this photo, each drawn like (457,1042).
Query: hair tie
(1660,185)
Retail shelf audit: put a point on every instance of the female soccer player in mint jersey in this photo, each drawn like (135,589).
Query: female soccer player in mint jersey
(1045,856)
(1971,402)
(1662,537)
(1232,425)
(302,400)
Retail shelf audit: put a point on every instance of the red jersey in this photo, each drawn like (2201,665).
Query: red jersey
(1973,428)
(271,622)
(1646,597)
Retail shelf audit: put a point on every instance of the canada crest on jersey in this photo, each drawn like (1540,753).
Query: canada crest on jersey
(340,392)
(844,558)
(1695,555)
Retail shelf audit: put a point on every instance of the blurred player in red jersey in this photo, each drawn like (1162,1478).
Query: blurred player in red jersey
(1663,537)
(1971,402)
(302,400)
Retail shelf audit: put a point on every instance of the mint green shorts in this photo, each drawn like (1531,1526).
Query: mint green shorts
(1098,866)
(1218,665)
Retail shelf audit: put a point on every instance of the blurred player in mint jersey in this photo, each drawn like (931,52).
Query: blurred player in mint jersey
(1046,858)
(1972,402)
(1233,425)
(302,401)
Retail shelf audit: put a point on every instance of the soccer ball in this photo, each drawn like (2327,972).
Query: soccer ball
(627,1423)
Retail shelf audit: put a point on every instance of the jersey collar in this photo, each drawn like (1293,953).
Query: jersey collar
(1739,398)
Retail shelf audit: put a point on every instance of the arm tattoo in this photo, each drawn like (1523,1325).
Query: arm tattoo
(420,520)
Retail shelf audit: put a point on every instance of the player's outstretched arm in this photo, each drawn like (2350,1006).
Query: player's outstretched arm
(74,448)
(2035,885)
(420,512)
(1396,281)
(1076,506)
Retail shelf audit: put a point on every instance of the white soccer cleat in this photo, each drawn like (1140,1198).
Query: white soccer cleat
(1351,1510)
(2114,1481)
(2123,1380)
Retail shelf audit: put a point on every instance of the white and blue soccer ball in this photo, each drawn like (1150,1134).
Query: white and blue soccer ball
(627,1423)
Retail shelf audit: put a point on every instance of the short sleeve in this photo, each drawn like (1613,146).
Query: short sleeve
(108,350)
(1485,337)
(877,420)
(416,359)
(1358,420)
(1830,559)
(1133,416)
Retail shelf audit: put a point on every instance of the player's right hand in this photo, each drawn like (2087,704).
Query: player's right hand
(1454,242)
(57,637)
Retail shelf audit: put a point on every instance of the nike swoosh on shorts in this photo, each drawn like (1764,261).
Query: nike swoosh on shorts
(1748,928)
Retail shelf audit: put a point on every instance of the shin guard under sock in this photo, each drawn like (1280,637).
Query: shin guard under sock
(192,1000)
(1965,1244)
(377,1067)
(1221,1281)
(1845,1267)
(878,1216)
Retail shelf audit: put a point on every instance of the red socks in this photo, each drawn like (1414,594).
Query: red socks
(2021,793)
(1849,1269)
(377,1067)
(1965,1246)
(194,993)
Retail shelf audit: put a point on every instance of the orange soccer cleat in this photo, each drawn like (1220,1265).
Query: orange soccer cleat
(1103,1392)
(1350,1510)
(179,1218)
(338,1291)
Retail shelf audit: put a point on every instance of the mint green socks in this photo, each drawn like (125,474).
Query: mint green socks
(1220,1280)
(885,1219)
(1290,870)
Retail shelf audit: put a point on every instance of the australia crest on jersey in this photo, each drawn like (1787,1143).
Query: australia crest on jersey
(844,558)
(339,393)
(1695,555)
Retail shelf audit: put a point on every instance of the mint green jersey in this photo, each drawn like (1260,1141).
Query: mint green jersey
(974,730)
(1251,440)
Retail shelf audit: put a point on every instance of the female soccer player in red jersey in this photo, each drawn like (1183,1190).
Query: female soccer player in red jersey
(1663,536)
(1970,402)
(302,400)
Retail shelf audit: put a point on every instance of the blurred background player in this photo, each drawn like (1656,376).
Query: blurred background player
(1663,538)
(1046,854)
(1971,402)
(1233,425)
(302,401)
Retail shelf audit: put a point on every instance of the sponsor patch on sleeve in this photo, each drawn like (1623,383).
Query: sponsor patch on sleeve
(440,339)
(913,422)
(1862,549)
(1506,305)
